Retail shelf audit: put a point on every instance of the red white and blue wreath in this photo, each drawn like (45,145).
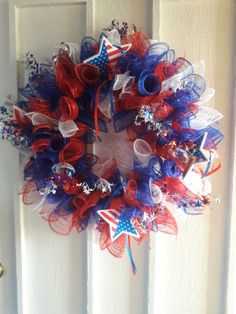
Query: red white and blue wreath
(127,82)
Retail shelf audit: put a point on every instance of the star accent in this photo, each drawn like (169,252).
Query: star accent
(125,225)
(197,154)
(111,217)
(145,217)
(198,204)
(179,153)
(183,205)
(107,54)
(119,222)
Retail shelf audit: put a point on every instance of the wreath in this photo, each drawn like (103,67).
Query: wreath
(141,90)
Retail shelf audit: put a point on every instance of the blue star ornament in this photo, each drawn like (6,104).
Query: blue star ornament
(198,204)
(125,226)
(119,222)
(107,54)
(197,154)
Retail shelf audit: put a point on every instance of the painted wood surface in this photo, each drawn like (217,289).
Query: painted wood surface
(198,261)
(68,275)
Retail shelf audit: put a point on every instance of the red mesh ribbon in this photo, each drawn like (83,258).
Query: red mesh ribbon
(139,41)
(62,222)
(62,225)
(68,108)
(161,110)
(84,202)
(40,105)
(83,128)
(165,221)
(66,78)
(133,101)
(74,150)
(164,70)
(45,126)
(20,117)
(130,193)
(87,73)
(72,187)
(175,187)
(40,145)
(117,247)
(30,193)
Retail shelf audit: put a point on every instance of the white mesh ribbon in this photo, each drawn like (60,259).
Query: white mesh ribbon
(38,118)
(124,82)
(113,36)
(127,86)
(124,156)
(195,68)
(204,117)
(105,107)
(119,80)
(196,184)
(199,68)
(156,167)
(142,151)
(206,96)
(206,187)
(67,128)
(174,82)
(156,192)
(105,161)
(62,167)
(73,50)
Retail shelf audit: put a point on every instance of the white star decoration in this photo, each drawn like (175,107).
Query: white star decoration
(197,155)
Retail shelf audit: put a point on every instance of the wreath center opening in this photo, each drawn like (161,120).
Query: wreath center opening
(113,150)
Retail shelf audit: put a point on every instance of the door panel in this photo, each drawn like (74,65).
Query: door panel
(202,30)
(53,266)
(68,275)
(60,22)
(8,170)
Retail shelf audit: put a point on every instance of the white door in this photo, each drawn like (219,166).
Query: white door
(49,274)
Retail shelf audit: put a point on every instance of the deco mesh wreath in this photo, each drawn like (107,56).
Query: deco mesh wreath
(140,88)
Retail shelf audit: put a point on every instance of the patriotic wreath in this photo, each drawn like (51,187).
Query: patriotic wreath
(129,187)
